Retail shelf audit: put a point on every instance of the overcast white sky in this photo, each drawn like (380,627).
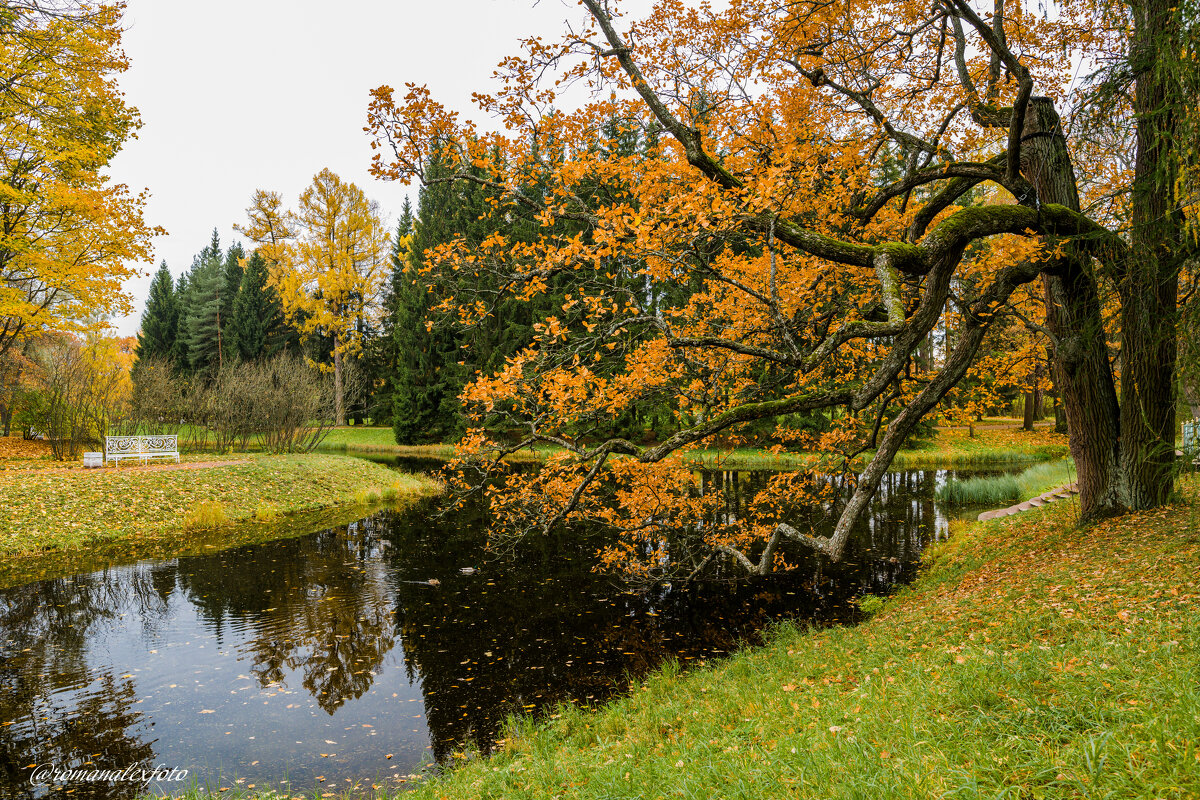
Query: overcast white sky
(243,94)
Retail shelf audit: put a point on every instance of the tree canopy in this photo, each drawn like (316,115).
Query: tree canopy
(854,197)
(328,260)
(68,235)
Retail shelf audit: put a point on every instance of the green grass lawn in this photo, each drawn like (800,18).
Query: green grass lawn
(365,437)
(50,509)
(946,448)
(955,448)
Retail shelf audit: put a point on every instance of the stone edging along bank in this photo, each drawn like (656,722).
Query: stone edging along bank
(1061,493)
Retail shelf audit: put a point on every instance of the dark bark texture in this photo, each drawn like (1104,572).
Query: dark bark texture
(1082,372)
(1149,291)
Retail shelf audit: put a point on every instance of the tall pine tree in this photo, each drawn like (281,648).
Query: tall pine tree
(235,257)
(419,353)
(430,359)
(380,356)
(205,301)
(179,347)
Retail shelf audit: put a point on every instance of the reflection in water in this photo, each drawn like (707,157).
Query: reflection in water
(331,590)
(56,708)
(316,657)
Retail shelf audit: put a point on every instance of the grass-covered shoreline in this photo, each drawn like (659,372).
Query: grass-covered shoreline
(54,510)
(996,490)
(1033,658)
(944,449)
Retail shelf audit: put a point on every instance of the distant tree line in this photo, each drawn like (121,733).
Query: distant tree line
(223,308)
(405,359)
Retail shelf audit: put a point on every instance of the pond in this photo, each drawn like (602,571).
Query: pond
(372,652)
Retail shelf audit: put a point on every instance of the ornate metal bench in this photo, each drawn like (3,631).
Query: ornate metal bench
(142,448)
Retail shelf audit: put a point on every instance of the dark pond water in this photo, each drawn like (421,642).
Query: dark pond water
(328,658)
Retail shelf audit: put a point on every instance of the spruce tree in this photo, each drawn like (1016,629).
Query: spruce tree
(233,270)
(428,376)
(256,328)
(413,348)
(207,281)
(179,347)
(433,360)
(160,322)
(381,358)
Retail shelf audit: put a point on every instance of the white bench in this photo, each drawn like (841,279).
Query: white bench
(93,460)
(142,448)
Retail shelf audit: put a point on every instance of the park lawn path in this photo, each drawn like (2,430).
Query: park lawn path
(82,472)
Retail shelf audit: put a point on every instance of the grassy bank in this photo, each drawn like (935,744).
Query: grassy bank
(945,448)
(997,489)
(54,510)
(362,437)
(1033,659)
(956,448)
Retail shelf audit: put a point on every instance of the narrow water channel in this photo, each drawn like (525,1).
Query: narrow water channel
(372,652)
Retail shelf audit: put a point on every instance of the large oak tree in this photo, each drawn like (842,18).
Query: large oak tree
(838,182)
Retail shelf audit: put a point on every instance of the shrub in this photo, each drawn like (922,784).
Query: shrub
(367,497)
(870,604)
(205,515)
(267,512)
(282,403)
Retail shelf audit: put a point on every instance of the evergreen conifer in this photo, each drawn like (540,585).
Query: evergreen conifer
(256,328)
(161,318)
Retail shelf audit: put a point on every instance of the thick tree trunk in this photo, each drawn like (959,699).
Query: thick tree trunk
(1082,372)
(1027,421)
(339,391)
(1149,291)
(1038,399)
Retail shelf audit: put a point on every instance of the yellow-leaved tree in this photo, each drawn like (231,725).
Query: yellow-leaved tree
(328,261)
(269,227)
(68,236)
